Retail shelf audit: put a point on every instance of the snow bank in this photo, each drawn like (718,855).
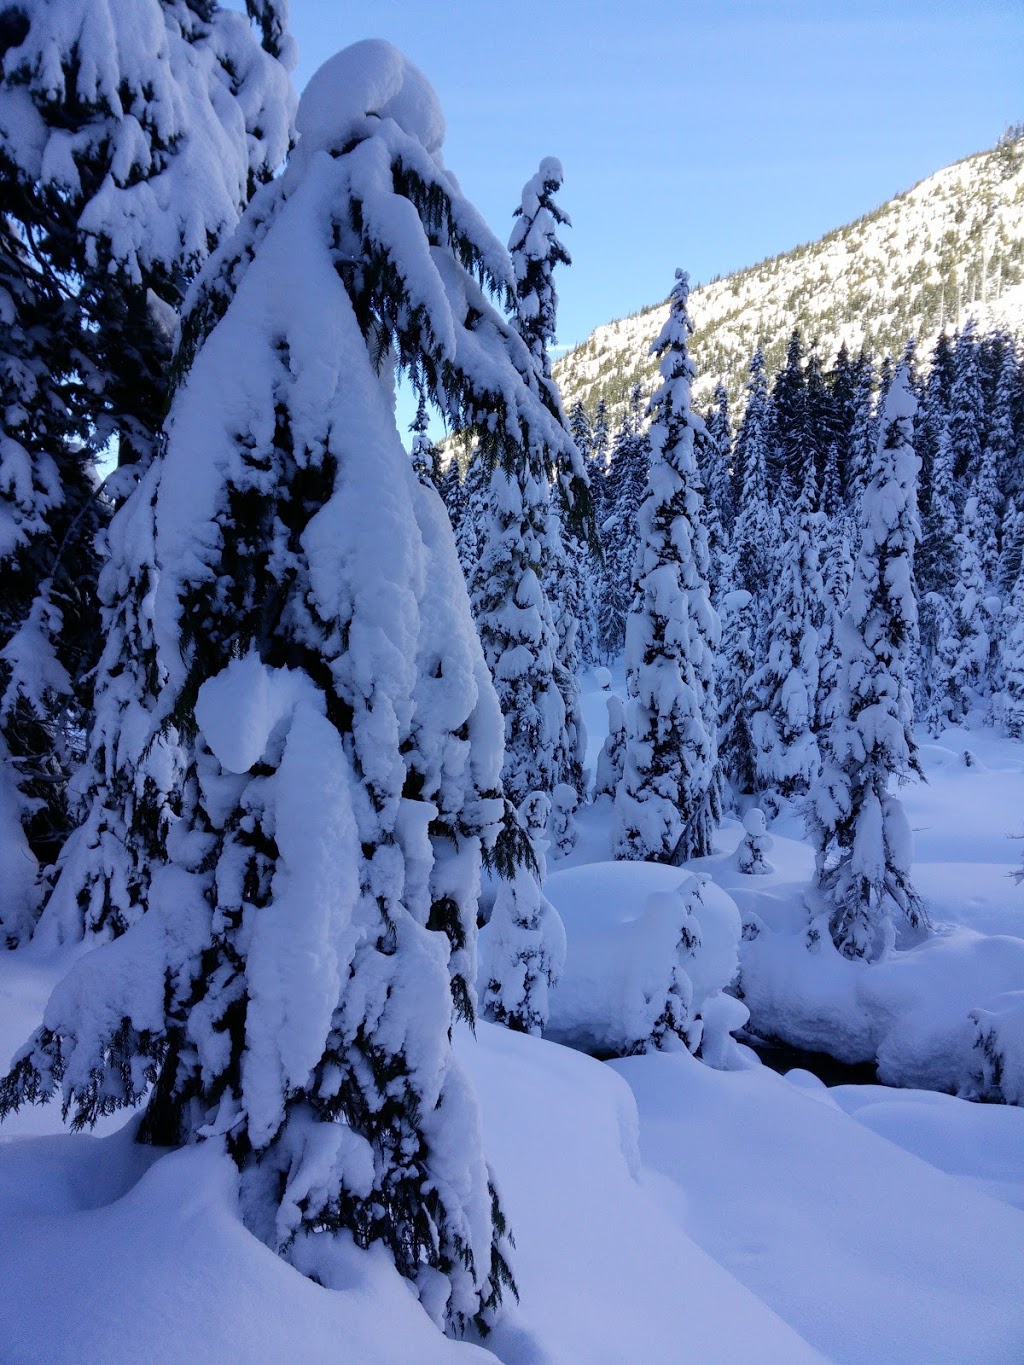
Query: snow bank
(606,1273)
(916,1014)
(646,944)
(982,1144)
(868,1252)
(162,1270)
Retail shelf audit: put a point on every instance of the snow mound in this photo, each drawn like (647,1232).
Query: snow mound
(650,951)
(368,78)
(606,1268)
(161,1269)
(922,1015)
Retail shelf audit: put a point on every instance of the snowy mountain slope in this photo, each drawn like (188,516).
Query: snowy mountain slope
(951,247)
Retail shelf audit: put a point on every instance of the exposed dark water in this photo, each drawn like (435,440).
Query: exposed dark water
(781,1057)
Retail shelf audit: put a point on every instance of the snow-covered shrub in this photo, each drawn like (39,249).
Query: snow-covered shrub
(564,803)
(999,1044)
(610,759)
(756,842)
(650,951)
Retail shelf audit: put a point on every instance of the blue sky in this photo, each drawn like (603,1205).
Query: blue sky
(706,135)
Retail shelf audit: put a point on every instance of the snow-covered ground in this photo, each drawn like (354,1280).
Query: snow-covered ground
(662,1210)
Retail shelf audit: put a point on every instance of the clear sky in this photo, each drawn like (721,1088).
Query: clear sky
(700,133)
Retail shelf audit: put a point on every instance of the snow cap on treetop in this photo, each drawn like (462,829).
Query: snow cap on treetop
(370,77)
(900,400)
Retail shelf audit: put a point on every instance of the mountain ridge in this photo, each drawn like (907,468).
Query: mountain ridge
(948,248)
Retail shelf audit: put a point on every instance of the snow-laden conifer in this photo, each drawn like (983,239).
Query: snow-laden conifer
(837,574)
(966,408)
(756,531)
(473,521)
(49,516)
(424,454)
(309,932)
(789,444)
(1009,704)
(783,722)
(621,496)
(565,801)
(665,803)
(1011,548)
(940,521)
(755,844)
(525,609)
(517,630)
(988,514)
(863,436)
(715,456)
(600,438)
(861,834)
(132,133)
(524,951)
(719,473)
(736,701)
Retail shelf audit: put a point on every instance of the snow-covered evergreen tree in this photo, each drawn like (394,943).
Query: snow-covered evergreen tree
(529,639)
(424,455)
(837,574)
(453,492)
(966,409)
(719,500)
(1002,439)
(565,802)
(788,445)
(940,521)
(831,503)
(583,549)
(736,701)
(131,136)
(963,631)
(49,515)
(600,443)
(755,844)
(862,436)
(755,532)
(517,630)
(860,832)
(1011,548)
(472,523)
(665,803)
(1009,705)
(621,496)
(524,951)
(309,931)
(786,686)
(132,133)
(988,514)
